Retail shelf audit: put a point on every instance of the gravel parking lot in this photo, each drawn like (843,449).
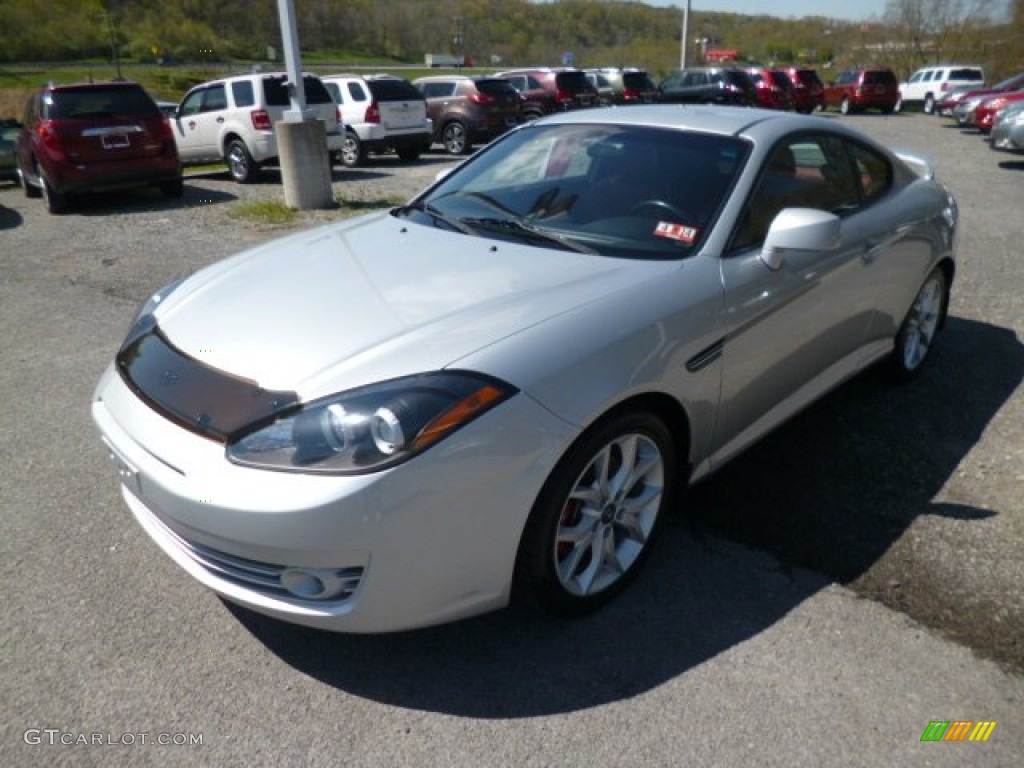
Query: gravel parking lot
(744,636)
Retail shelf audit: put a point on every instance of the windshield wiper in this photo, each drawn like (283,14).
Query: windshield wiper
(430,210)
(530,231)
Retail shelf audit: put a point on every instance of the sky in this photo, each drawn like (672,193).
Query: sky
(852,10)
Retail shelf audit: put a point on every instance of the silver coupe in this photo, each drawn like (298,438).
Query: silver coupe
(499,389)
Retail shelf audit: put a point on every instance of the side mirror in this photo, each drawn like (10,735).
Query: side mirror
(800,229)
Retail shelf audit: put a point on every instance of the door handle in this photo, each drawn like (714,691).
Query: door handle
(192,124)
(220,119)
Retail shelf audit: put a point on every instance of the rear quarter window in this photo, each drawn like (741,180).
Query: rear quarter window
(966,74)
(277,95)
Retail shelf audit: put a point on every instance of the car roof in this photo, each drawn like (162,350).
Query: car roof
(757,124)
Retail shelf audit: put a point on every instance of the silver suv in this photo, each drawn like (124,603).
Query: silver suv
(382,114)
(929,84)
(232,119)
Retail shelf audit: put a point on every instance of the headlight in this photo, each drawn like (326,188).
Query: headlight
(371,428)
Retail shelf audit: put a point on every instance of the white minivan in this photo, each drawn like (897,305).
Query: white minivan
(929,84)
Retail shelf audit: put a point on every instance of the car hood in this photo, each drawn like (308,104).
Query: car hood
(370,299)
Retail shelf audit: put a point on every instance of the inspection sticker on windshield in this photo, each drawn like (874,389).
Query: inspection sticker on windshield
(675,231)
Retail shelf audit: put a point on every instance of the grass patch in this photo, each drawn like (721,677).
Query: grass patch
(365,206)
(268,212)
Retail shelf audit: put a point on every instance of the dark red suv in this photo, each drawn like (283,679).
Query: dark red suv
(83,138)
(808,90)
(858,89)
(544,91)
(774,88)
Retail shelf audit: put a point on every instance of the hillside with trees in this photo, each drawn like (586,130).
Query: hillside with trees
(505,32)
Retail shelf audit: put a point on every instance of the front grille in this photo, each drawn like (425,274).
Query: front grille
(263,577)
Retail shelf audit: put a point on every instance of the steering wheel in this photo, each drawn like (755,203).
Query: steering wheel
(660,205)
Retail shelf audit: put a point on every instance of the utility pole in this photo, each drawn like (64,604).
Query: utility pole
(685,36)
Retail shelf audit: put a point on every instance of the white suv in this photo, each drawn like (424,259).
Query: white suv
(382,114)
(929,84)
(232,119)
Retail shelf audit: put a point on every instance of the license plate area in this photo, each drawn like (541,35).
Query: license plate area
(126,471)
(115,141)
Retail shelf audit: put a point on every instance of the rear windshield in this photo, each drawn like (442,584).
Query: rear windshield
(880,77)
(638,81)
(388,89)
(495,87)
(572,81)
(93,102)
(277,94)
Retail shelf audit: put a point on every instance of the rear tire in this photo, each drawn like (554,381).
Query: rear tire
(845,107)
(929,104)
(353,154)
(924,319)
(56,203)
(242,167)
(456,139)
(30,190)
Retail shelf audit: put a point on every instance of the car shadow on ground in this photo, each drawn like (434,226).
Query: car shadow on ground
(832,490)
(1012,165)
(10,218)
(131,201)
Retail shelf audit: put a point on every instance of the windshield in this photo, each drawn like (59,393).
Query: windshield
(627,191)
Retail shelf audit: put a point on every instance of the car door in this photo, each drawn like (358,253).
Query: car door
(438,96)
(795,331)
(198,122)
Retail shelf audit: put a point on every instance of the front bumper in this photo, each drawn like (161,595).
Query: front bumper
(426,542)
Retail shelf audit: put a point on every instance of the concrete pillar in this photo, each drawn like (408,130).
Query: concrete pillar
(305,167)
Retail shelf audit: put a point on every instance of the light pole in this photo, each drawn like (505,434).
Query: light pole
(686,35)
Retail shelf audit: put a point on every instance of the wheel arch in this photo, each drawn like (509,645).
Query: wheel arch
(229,135)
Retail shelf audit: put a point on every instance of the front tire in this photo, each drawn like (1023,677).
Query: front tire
(242,167)
(845,107)
(921,325)
(596,518)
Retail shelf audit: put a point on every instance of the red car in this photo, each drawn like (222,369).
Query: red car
(774,88)
(859,89)
(985,114)
(948,104)
(808,90)
(77,139)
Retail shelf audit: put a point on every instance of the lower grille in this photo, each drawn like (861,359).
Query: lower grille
(315,585)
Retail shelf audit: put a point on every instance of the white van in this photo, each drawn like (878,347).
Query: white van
(929,84)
